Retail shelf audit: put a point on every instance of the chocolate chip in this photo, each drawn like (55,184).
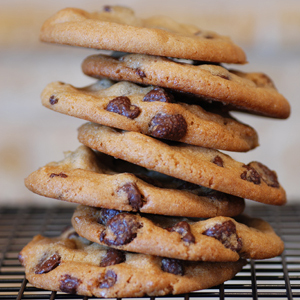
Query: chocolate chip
(159,94)
(69,284)
(121,230)
(226,234)
(53,100)
(106,215)
(172,127)
(122,106)
(251,175)
(134,196)
(140,73)
(113,257)
(209,36)
(267,175)
(109,279)
(62,175)
(107,8)
(184,229)
(173,266)
(47,264)
(218,161)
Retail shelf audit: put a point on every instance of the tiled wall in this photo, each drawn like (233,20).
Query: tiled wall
(31,135)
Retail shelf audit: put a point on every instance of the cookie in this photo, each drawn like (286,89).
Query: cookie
(149,110)
(215,239)
(251,92)
(117,28)
(98,180)
(73,265)
(207,167)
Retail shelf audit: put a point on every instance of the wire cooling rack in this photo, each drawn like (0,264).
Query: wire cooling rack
(277,278)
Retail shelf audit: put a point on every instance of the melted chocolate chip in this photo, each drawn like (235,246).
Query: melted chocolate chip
(106,215)
(184,229)
(267,175)
(113,257)
(173,266)
(159,94)
(122,106)
(62,175)
(134,196)
(47,264)
(121,230)
(109,279)
(218,161)
(140,73)
(172,127)
(53,100)
(251,175)
(69,284)
(226,234)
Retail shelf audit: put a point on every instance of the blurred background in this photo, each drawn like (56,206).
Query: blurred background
(31,135)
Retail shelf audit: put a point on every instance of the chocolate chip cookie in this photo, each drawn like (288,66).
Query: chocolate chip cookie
(215,239)
(74,265)
(251,92)
(207,167)
(98,180)
(149,110)
(118,28)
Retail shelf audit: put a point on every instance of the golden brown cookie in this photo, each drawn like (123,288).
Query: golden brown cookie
(251,92)
(215,239)
(74,265)
(98,180)
(149,110)
(207,167)
(117,28)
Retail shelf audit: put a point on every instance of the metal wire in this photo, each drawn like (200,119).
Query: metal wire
(276,278)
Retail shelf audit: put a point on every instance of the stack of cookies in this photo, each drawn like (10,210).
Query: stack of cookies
(160,206)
